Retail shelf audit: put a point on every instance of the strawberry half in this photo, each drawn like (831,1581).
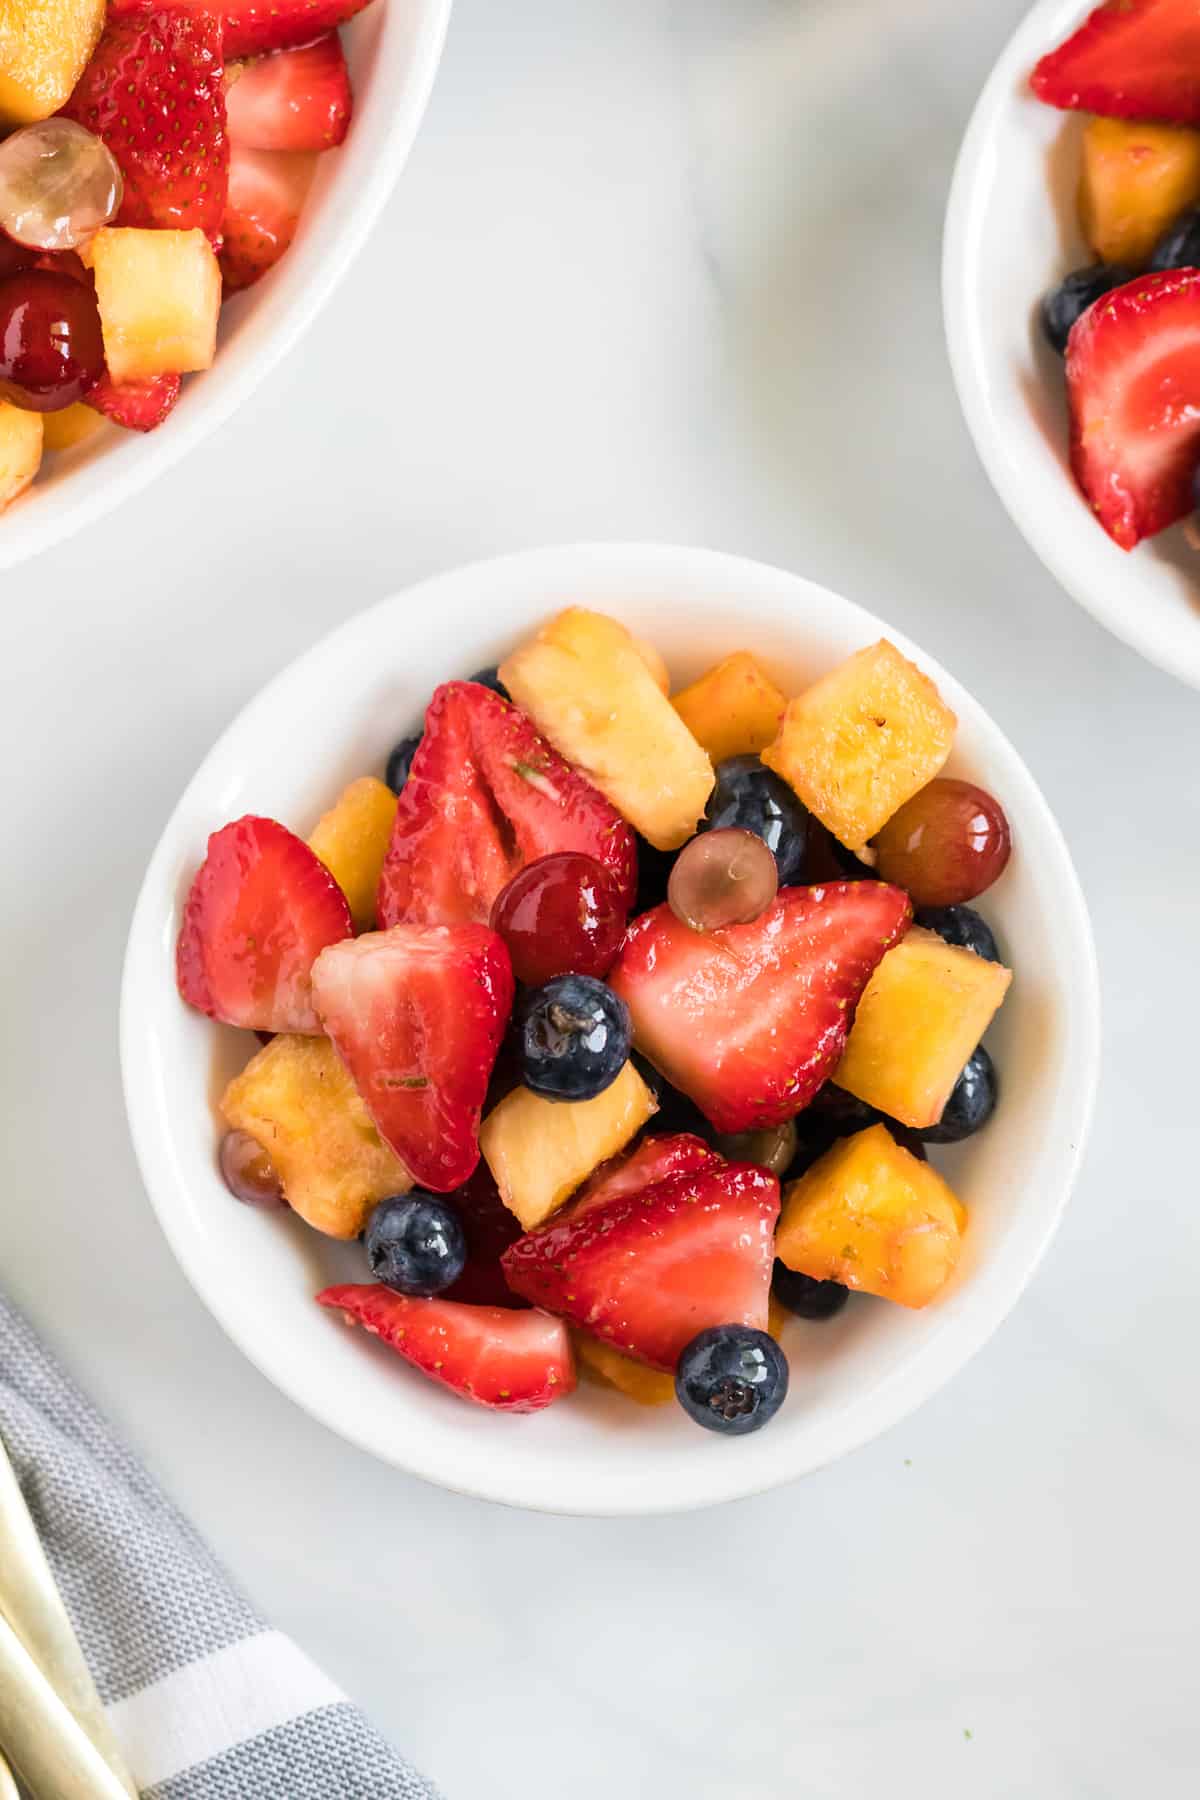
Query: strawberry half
(1133,384)
(261,25)
(654,1159)
(485,795)
(135,405)
(417,1015)
(650,1269)
(489,1229)
(1130,59)
(154,91)
(260,911)
(292,99)
(267,189)
(749,1021)
(511,1361)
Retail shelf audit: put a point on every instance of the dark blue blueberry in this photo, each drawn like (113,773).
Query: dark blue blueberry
(1179,245)
(574,1038)
(806,1297)
(654,871)
(962,926)
(749,796)
(490,678)
(731,1379)
(675,1111)
(836,1114)
(850,867)
(415,1244)
(971,1104)
(400,762)
(1074,294)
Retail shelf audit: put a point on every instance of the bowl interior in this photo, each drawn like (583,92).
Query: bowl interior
(367,685)
(1011,233)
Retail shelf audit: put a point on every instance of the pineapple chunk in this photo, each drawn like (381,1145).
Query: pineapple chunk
(45,46)
(297,1099)
(20,450)
(733,710)
(649,1387)
(656,664)
(351,839)
(1136,180)
(862,741)
(159,293)
(70,426)
(585,685)
(923,1012)
(539,1151)
(873,1217)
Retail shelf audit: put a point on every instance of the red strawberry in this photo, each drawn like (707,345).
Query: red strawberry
(650,1269)
(267,189)
(512,1361)
(154,92)
(255,26)
(749,1021)
(261,909)
(1133,382)
(489,1229)
(417,1015)
(1130,59)
(137,405)
(485,795)
(651,1161)
(292,99)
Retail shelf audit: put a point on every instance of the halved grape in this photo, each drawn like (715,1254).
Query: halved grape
(248,1171)
(773,1147)
(58,185)
(724,877)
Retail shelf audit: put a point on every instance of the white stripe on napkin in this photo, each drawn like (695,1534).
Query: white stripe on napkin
(211,1705)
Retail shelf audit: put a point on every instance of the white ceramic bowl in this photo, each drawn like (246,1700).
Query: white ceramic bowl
(596,1453)
(393,49)
(1011,233)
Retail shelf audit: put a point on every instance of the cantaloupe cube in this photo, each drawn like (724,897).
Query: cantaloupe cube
(871,1215)
(862,741)
(159,294)
(20,450)
(297,1100)
(44,48)
(72,425)
(734,709)
(351,839)
(585,685)
(1136,179)
(923,1012)
(539,1151)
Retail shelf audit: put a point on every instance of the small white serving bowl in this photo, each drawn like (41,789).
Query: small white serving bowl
(393,50)
(367,685)
(1012,233)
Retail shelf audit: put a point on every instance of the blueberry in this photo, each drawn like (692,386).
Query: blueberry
(490,678)
(850,867)
(836,1114)
(675,1111)
(415,1244)
(748,795)
(1179,245)
(1074,294)
(400,762)
(971,1104)
(574,1038)
(961,926)
(732,1379)
(805,1296)
(654,871)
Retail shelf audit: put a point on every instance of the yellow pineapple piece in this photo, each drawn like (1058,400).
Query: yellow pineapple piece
(923,1012)
(655,662)
(45,46)
(862,741)
(70,426)
(297,1100)
(584,683)
(871,1215)
(734,709)
(1136,180)
(159,294)
(20,450)
(351,839)
(539,1151)
(649,1387)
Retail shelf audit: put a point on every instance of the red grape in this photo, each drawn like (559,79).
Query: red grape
(946,845)
(773,1147)
(51,348)
(723,877)
(248,1171)
(560,915)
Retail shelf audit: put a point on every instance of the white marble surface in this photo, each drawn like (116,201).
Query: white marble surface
(662,268)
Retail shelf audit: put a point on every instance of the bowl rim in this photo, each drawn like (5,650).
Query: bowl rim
(928,1370)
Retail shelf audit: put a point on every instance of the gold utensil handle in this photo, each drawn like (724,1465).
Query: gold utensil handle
(53,1757)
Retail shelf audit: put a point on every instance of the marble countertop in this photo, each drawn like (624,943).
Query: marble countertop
(663,269)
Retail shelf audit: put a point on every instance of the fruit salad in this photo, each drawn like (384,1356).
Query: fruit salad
(617,1024)
(1128,323)
(152,160)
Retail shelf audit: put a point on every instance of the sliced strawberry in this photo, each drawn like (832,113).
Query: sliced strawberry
(1133,383)
(650,1269)
(749,1021)
(485,795)
(417,1015)
(255,26)
(511,1361)
(154,91)
(654,1159)
(291,99)
(1130,59)
(137,405)
(267,189)
(260,911)
(489,1228)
